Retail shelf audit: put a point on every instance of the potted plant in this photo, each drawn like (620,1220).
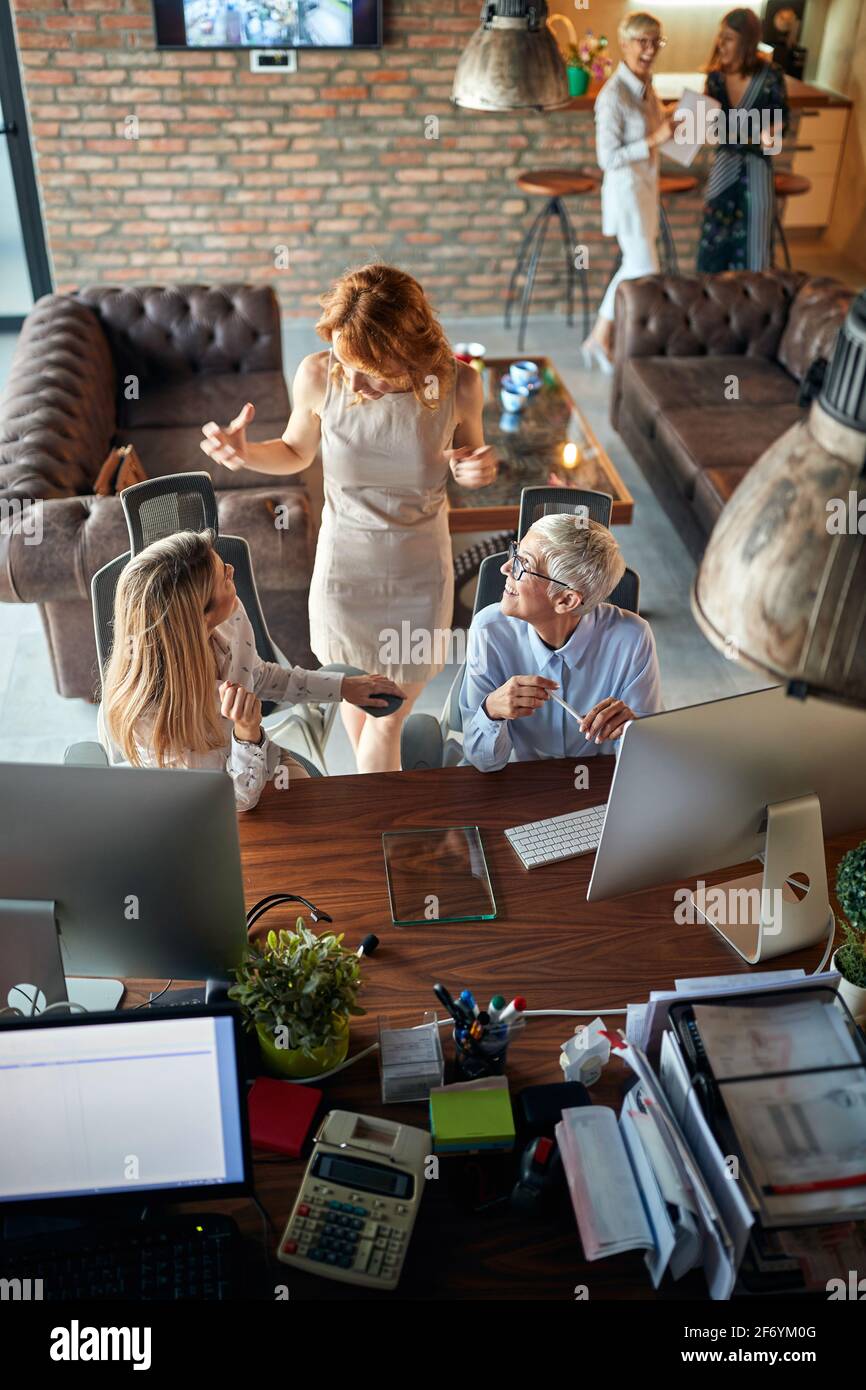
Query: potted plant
(850,959)
(586,60)
(298,992)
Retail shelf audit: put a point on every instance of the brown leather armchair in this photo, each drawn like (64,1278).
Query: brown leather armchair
(144,365)
(708,372)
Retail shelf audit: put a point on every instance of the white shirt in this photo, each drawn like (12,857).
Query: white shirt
(249,765)
(610,653)
(626,112)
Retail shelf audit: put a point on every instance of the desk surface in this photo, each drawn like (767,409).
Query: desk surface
(322,839)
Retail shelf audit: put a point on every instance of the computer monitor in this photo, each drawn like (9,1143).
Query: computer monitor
(709,786)
(124,1105)
(133,871)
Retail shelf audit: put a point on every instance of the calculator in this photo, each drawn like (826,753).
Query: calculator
(356,1208)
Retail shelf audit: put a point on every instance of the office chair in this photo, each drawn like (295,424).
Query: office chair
(427,742)
(186,501)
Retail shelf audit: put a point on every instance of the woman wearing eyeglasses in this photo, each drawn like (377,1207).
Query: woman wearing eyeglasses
(630,124)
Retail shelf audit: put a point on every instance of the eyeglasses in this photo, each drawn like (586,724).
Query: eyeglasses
(519,568)
(652,44)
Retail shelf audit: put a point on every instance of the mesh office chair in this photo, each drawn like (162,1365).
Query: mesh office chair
(427,742)
(162,506)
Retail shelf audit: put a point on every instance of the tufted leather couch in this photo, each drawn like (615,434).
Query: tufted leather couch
(146,365)
(708,370)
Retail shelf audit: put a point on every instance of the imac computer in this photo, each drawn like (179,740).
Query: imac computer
(699,789)
(114,872)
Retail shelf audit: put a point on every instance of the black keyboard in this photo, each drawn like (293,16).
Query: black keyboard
(183,1257)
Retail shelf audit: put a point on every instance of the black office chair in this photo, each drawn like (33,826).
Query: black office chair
(536,502)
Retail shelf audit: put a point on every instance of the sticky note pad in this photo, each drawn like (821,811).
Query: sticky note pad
(473,1116)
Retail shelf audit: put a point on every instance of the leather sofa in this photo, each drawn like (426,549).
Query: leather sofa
(146,365)
(708,373)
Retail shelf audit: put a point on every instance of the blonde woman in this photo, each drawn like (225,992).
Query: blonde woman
(630,124)
(393,412)
(184,683)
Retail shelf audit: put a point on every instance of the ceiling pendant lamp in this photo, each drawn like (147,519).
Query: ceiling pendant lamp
(782,583)
(512,62)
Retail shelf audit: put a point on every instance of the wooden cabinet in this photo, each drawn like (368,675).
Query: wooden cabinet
(822,130)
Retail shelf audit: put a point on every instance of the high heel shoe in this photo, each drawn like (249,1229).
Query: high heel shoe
(594,355)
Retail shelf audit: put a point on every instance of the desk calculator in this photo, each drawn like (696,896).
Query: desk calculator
(356,1208)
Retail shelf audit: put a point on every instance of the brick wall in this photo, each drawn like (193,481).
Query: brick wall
(332,163)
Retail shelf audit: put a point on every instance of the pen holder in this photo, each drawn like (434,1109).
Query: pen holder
(487,1057)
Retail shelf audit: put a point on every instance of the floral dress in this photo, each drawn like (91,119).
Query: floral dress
(737,231)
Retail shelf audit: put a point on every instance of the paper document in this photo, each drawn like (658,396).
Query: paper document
(607,1204)
(696,109)
(743,1041)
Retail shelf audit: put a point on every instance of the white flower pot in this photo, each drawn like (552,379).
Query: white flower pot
(853,995)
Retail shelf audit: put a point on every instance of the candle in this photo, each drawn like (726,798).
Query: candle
(569,455)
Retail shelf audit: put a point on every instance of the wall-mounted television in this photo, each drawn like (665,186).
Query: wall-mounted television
(198,24)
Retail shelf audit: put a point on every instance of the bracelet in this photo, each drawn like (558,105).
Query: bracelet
(250,742)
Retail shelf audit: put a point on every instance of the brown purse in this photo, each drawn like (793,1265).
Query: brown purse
(121,469)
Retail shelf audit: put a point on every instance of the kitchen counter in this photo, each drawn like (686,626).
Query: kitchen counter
(671,85)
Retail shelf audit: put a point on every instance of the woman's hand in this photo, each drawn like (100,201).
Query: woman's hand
(606,720)
(244,709)
(518,697)
(667,130)
(474,468)
(358,690)
(229,446)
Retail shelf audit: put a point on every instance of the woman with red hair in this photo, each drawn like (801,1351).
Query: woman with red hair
(393,411)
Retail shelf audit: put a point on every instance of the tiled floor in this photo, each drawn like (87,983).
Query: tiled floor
(36,724)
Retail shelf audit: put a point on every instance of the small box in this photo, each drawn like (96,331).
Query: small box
(410,1060)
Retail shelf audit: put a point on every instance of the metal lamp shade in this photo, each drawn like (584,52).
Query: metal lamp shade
(509,66)
(780,587)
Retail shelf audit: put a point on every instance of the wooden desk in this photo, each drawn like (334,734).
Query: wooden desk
(323,839)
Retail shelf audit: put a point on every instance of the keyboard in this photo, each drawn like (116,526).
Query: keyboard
(560,837)
(186,1257)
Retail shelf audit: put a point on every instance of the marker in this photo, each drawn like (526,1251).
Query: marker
(510,1012)
(467,999)
(496,1003)
(367,946)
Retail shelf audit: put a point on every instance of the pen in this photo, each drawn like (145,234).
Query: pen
(573,712)
(467,999)
(448,1003)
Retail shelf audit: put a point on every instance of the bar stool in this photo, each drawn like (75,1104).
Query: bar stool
(672,186)
(555,185)
(785,185)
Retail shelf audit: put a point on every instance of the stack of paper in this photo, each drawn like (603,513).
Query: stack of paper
(472,1115)
(604,1193)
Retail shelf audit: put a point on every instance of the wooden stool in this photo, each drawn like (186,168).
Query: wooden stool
(785,185)
(555,185)
(672,186)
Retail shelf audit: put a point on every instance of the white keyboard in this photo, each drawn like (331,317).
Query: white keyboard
(561,837)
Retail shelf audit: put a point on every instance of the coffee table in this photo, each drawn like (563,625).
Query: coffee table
(531,455)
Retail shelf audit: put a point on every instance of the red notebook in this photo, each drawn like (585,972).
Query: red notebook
(281,1115)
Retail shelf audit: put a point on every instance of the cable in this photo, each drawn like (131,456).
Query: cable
(153,998)
(831,937)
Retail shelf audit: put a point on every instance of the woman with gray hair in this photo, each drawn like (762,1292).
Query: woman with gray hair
(553,631)
(630,124)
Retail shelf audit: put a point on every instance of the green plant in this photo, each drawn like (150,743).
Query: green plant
(298,987)
(851,892)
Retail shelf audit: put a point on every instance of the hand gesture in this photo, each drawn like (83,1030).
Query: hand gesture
(358,690)
(243,708)
(518,697)
(606,720)
(668,128)
(473,468)
(229,446)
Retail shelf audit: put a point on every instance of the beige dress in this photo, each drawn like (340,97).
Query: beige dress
(382,591)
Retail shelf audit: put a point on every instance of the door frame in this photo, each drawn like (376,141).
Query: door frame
(23,170)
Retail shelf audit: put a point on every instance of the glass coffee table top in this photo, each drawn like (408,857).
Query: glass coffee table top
(548,444)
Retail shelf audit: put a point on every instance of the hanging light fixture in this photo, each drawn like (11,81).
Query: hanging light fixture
(782,583)
(512,62)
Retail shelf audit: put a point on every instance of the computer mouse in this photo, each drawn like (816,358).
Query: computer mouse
(379,711)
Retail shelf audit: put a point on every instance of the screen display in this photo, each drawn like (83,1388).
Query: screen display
(268,23)
(363,1177)
(118,1108)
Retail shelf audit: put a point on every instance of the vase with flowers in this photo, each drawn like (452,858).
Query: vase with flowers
(587,60)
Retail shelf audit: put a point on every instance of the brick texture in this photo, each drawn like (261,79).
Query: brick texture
(170,166)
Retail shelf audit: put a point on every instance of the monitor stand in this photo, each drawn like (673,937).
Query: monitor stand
(761,915)
(31,965)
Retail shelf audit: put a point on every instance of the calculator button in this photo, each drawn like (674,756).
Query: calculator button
(360,1211)
(331,1258)
(401,1211)
(344,1262)
(375,1267)
(335,1206)
(394,1246)
(362,1255)
(380,1244)
(303,1209)
(389,1260)
(289,1247)
(317,1254)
